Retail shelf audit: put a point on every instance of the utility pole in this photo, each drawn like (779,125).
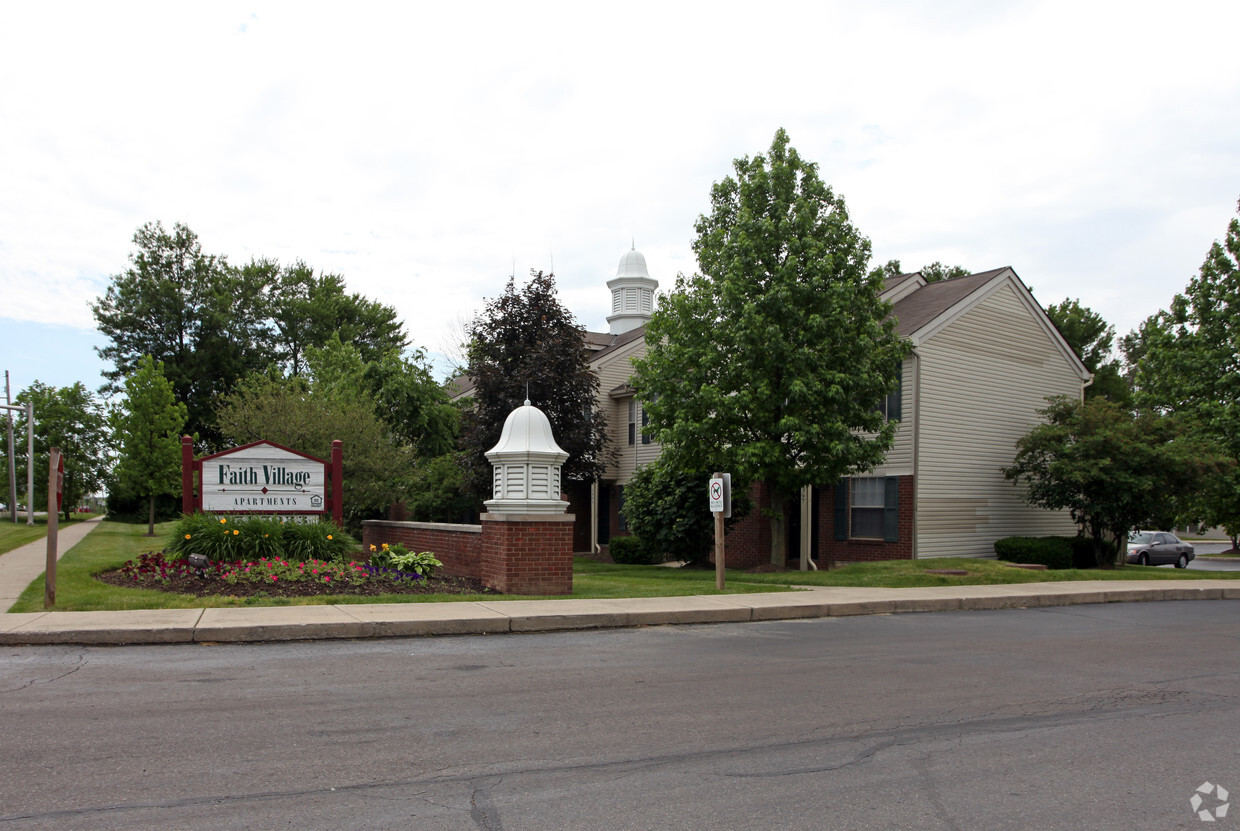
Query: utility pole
(8,417)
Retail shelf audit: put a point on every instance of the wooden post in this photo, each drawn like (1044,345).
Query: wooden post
(719,552)
(338,481)
(187,475)
(53,515)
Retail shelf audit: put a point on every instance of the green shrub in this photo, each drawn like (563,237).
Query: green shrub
(240,537)
(322,540)
(402,559)
(633,551)
(1052,552)
(667,507)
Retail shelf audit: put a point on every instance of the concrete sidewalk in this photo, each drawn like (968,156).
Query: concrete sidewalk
(21,566)
(282,623)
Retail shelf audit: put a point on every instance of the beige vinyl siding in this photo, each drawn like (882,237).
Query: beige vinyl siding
(614,370)
(899,461)
(983,377)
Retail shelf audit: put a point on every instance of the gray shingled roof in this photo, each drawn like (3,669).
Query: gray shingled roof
(928,302)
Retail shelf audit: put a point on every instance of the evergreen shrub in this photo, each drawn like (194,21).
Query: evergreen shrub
(632,551)
(1052,552)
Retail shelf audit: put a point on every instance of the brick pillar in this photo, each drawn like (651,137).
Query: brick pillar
(528,553)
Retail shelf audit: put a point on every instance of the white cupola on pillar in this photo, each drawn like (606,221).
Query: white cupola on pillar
(526,464)
(632,294)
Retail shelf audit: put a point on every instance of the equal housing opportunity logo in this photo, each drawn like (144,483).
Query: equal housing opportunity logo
(1209,802)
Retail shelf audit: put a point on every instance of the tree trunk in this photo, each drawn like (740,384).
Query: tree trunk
(779,553)
(150,526)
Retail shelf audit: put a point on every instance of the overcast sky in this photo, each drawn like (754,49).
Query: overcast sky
(427,151)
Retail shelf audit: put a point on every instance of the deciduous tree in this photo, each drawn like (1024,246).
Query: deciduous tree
(148,428)
(526,344)
(1190,365)
(771,363)
(1113,470)
(205,322)
(1092,338)
(73,419)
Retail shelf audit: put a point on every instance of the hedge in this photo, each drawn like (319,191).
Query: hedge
(1052,552)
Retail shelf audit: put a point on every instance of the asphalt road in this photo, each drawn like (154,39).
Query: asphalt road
(1207,548)
(1099,717)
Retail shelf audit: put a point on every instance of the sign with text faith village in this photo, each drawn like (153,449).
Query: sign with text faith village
(262,478)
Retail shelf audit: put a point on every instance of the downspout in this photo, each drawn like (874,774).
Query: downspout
(807,533)
(916,440)
(594,546)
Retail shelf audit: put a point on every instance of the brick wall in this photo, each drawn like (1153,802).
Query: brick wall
(528,554)
(866,550)
(511,553)
(458,547)
(748,542)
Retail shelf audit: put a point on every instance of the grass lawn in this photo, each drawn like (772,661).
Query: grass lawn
(15,535)
(113,543)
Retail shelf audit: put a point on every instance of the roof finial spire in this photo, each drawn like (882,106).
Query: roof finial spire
(634,242)
(527,393)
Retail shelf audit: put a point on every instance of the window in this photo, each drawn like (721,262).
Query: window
(891,405)
(867,508)
(645,424)
(866,518)
(632,421)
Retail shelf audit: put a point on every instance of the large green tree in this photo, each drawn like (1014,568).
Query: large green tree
(931,273)
(772,362)
(525,344)
(307,310)
(148,429)
(212,324)
(204,321)
(1112,469)
(1189,364)
(1092,338)
(73,419)
(407,398)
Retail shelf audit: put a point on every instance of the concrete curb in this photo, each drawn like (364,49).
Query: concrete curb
(287,623)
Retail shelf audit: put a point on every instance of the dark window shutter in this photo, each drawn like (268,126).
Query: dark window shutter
(841,510)
(895,410)
(891,510)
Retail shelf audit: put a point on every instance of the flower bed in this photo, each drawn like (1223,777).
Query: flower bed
(277,577)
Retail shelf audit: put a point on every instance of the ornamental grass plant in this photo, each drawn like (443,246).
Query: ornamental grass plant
(238,537)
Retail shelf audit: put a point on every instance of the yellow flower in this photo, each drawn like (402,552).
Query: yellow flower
(235,533)
(223,520)
(372,548)
(329,536)
(264,536)
(187,536)
(385,546)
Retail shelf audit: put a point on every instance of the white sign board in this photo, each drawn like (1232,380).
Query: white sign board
(263,479)
(716,495)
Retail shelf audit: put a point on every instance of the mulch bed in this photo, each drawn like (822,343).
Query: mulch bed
(208,587)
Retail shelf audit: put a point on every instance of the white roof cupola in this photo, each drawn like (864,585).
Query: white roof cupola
(632,293)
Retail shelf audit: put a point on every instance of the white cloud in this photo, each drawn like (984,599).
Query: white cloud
(427,152)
